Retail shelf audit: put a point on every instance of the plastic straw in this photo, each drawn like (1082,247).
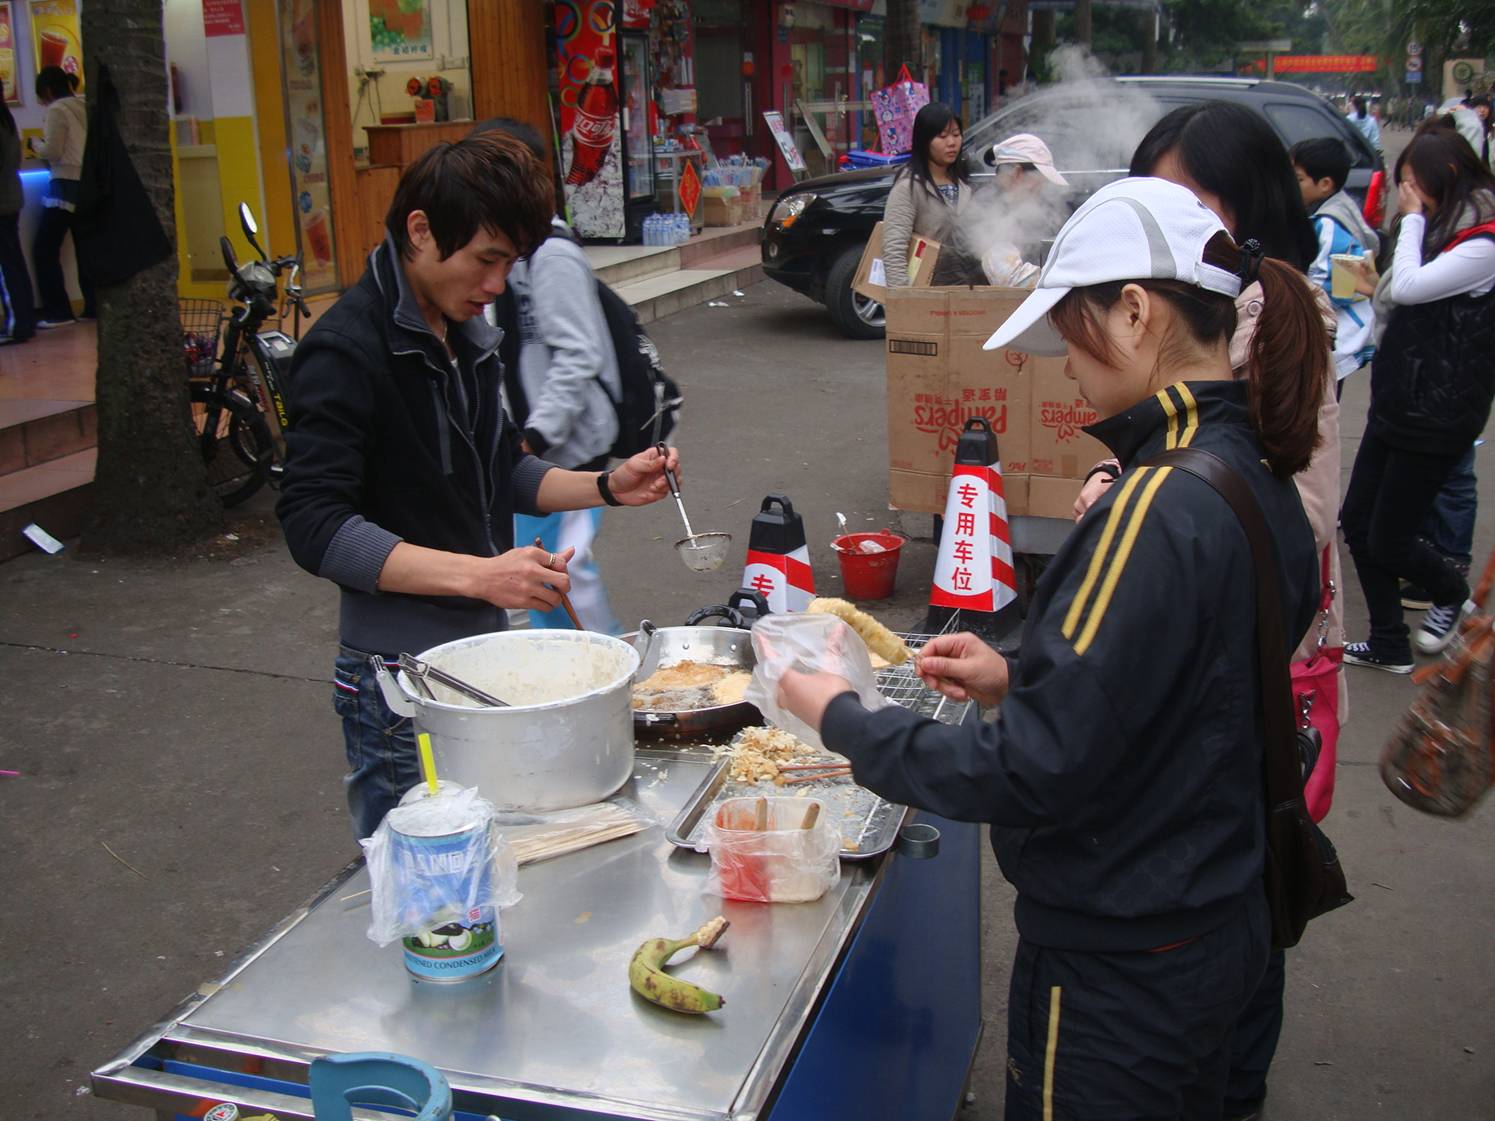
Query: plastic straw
(427,762)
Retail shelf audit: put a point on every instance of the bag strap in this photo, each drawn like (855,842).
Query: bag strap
(903,75)
(1284,779)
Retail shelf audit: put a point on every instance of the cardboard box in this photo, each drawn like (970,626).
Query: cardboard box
(869,280)
(720,211)
(939,377)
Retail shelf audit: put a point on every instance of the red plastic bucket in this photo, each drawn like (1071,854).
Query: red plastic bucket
(868,575)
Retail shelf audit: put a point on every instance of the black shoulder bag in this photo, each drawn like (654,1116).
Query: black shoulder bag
(1303,876)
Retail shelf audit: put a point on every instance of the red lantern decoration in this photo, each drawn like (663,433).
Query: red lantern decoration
(978,13)
(413,87)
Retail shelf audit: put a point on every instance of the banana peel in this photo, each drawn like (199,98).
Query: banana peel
(647,975)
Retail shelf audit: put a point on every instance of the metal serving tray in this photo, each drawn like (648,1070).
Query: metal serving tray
(869,824)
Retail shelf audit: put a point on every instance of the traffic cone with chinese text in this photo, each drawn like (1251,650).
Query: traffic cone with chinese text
(778,558)
(974,572)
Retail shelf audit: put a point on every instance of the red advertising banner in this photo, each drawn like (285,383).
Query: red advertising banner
(1319,64)
(222,17)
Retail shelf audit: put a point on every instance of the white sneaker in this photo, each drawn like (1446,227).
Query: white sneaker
(1441,625)
(49,324)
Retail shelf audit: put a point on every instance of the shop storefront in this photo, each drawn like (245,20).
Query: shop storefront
(351,91)
(35,34)
(630,146)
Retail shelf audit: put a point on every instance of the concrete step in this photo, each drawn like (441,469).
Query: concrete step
(618,265)
(53,494)
(655,297)
(36,432)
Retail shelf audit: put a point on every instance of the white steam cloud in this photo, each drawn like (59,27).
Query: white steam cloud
(1092,126)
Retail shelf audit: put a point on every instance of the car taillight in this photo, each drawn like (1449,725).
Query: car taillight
(1375,199)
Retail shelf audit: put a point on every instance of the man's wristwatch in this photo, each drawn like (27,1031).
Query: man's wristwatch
(605,490)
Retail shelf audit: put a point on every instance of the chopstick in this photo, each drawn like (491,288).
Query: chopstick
(565,599)
(813,766)
(836,772)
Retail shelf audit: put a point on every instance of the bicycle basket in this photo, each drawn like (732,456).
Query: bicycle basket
(202,322)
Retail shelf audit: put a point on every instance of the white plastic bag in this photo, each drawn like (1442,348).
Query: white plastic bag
(437,860)
(810,643)
(782,863)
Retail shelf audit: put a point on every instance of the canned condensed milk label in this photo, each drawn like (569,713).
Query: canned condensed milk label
(448,878)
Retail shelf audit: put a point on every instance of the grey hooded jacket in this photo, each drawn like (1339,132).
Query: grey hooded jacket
(566,354)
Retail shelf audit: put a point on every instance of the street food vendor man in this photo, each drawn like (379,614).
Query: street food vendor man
(1123,774)
(404,472)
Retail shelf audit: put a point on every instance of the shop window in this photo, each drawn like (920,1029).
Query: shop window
(213,116)
(408,62)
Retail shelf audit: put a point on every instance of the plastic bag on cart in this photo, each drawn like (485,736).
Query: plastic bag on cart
(435,859)
(810,643)
(783,862)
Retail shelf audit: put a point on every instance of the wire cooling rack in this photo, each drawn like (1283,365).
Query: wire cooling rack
(901,685)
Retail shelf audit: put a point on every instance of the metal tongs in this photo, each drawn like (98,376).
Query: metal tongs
(423,673)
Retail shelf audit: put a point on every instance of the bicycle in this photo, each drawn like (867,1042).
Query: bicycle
(238,400)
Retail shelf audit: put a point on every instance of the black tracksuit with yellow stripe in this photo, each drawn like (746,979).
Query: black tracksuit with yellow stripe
(1123,775)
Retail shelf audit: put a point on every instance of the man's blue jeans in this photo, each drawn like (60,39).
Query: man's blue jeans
(1450,527)
(382,759)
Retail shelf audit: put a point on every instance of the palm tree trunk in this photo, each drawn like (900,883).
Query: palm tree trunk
(903,39)
(150,488)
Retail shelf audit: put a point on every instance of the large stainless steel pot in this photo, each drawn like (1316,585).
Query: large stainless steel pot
(566,741)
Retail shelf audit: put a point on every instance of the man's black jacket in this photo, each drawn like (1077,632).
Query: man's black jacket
(390,443)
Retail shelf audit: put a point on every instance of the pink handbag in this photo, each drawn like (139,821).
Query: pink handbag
(1316,694)
(895,108)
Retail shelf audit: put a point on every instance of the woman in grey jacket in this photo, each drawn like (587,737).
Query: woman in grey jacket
(20,305)
(559,391)
(928,192)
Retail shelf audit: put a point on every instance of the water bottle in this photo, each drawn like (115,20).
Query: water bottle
(651,230)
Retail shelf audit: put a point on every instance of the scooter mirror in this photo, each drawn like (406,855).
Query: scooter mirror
(251,227)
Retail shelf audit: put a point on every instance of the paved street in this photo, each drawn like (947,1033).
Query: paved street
(180,762)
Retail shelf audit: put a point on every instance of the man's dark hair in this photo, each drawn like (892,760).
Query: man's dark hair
(1323,158)
(488,181)
(519,130)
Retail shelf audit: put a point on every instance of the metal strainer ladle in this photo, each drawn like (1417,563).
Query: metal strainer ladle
(701,552)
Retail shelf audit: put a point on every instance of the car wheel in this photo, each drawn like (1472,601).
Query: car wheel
(854,315)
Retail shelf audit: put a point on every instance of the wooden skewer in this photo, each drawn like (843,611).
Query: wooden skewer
(813,766)
(812,815)
(839,773)
(760,815)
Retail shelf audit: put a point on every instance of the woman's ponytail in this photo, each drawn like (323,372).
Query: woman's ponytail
(1287,367)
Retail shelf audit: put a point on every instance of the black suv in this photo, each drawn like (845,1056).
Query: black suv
(814,236)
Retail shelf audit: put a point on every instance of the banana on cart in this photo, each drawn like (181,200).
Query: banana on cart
(880,641)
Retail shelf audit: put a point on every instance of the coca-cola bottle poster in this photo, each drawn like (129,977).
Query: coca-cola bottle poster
(591,141)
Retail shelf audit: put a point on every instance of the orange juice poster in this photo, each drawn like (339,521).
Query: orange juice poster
(54,26)
(8,54)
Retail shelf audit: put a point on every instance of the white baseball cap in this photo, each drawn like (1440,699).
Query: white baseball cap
(1025,148)
(1132,229)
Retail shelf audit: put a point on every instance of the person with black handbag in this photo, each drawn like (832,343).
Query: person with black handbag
(1141,737)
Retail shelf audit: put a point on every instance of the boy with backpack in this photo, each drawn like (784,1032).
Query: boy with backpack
(1322,166)
(580,382)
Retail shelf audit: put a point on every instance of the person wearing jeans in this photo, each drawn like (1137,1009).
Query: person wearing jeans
(1387,483)
(19,303)
(1432,383)
(62,142)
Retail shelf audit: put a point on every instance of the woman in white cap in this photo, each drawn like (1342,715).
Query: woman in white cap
(1024,175)
(1122,776)
(928,191)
